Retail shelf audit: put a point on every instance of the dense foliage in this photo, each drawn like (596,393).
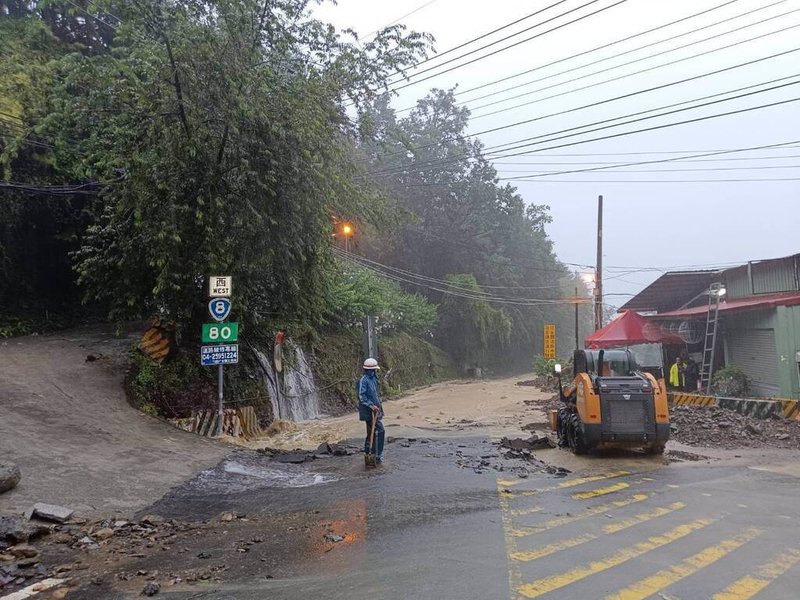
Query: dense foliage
(484,253)
(146,145)
(360,292)
(219,133)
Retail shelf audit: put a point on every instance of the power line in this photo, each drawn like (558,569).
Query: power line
(485,35)
(95,17)
(440,281)
(26,141)
(620,54)
(508,37)
(534,174)
(88,189)
(663,114)
(398,19)
(538,35)
(454,291)
(626,75)
(501,148)
(609,100)
(640,153)
(660,161)
(704,160)
(763,179)
(596,48)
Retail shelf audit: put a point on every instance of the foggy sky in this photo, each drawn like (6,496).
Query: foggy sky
(662,225)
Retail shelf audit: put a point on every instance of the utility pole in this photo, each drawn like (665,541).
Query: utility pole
(598,275)
(577,337)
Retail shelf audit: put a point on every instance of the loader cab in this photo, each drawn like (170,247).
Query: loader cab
(604,363)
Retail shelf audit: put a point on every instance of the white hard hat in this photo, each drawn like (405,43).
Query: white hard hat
(371,363)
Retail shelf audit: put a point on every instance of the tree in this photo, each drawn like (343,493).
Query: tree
(220,133)
(471,330)
(454,208)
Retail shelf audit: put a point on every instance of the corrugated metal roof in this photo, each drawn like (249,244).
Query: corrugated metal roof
(670,291)
(739,304)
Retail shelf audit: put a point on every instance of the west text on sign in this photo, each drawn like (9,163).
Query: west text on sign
(220,286)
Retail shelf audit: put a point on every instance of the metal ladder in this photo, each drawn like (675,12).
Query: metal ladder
(711,337)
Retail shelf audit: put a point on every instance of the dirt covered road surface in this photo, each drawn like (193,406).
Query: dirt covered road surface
(67,424)
(472,503)
(455,408)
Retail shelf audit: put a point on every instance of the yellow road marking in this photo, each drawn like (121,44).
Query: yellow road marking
(526,511)
(582,480)
(750,585)
(672,485)
(553,548)
(595,510)
(655,583)
(514,577)
(548,584)
(643,517)
(582,539)
(508,482)
(601,491)
(564,484)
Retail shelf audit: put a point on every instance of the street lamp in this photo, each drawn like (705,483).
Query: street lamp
(347,231)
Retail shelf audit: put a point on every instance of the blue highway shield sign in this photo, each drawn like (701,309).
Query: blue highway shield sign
(223,354)
(219,308)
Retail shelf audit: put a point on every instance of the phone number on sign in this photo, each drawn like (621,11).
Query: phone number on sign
(221,356)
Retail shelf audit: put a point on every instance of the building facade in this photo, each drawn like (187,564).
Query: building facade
(759,319)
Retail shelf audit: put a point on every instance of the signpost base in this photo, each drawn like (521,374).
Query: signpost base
(219,395)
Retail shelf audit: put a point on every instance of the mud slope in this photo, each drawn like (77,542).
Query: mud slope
(65,420)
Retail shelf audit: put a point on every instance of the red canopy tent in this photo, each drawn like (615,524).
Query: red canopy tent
(629,329)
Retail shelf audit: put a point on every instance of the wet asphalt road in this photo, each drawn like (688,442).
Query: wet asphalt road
(423,528)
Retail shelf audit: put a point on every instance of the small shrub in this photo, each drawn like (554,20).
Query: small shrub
(543,367)
(731,381)
(149,409)
(172,389)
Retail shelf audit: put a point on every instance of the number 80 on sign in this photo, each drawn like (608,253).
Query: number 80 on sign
(220,332)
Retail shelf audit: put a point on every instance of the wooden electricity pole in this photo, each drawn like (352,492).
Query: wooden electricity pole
(577,336)
(598,275)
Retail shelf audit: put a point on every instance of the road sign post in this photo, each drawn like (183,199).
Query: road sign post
(220,334)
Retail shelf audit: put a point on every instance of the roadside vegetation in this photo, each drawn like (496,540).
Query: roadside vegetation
(144,146)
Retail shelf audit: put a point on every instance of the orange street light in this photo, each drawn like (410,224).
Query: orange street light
(347,231)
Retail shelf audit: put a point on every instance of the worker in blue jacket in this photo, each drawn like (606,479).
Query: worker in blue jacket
(370,407)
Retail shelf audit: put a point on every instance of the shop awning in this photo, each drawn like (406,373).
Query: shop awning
(628,329)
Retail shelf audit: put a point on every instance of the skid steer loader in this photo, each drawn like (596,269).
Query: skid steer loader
(611,405)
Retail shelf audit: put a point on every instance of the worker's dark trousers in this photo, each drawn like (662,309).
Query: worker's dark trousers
(379,435)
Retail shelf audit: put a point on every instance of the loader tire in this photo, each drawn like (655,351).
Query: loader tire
(564,420)
(576,441)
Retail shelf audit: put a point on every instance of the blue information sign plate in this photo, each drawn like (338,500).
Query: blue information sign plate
(224,354)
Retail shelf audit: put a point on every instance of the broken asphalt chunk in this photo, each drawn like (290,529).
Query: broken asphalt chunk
(49,512)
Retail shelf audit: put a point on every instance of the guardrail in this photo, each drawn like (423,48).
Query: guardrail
(761,408)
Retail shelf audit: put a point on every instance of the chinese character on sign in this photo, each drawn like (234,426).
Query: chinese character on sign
(549,341)
(220,286)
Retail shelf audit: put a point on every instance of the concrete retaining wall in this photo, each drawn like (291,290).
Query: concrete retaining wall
(761,409)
